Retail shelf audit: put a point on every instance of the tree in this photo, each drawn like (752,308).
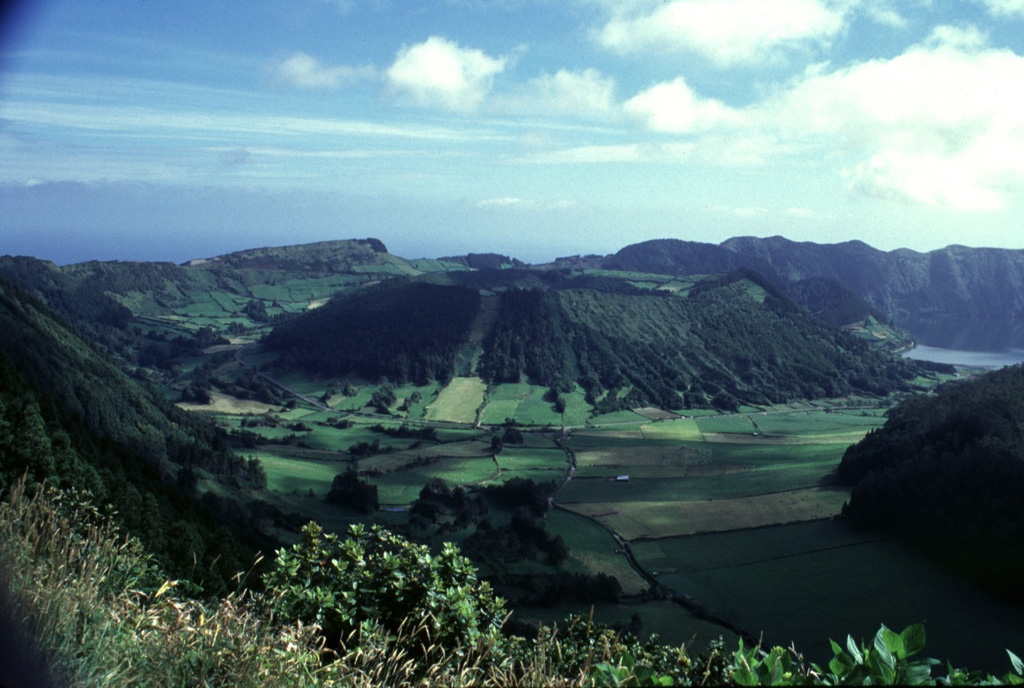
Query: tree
(349,491)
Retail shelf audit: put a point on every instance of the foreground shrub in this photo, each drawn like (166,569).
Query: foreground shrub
(376,577)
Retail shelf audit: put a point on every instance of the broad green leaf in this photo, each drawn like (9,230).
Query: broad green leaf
(892,641)
(1018,664)
(916,675)
(855,652)
(882,657)
(913,639)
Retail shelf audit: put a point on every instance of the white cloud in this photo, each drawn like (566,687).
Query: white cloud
(440,73)
(728,32)
(673,107)
(617,153)
(303,71)
(502,202)
(941,124)
(523,204)
(1005,8)
(570,92)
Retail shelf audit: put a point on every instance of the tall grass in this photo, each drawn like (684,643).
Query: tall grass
(83,595)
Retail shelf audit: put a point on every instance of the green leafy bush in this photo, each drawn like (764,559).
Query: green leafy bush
(375,577)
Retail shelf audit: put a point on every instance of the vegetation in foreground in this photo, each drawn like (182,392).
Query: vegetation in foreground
(371,609)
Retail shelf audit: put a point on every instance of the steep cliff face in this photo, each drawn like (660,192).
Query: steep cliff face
(956,282)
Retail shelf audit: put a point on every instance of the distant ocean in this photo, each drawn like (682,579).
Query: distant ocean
(967,359)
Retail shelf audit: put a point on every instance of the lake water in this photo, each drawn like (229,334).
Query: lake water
(967,359)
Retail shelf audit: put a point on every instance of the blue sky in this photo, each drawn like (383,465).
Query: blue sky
(140,129)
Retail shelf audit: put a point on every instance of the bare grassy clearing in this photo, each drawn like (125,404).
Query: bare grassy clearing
(222,403)
(459,401)
(655,413)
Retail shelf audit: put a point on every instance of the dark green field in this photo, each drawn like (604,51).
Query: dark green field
(808,582)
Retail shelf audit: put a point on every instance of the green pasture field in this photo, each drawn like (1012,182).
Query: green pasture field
(339,439)
(416,410)
(592,549)
(361,400)
(682,429)
(678,460)
(303,384)
(515,459)
(736,423)
(617,418)
(503,401)
(527,406)
(701,471)
(403,487)
(393,461)
(459,401)
(285,474)
(609,438)
(810,582)
(654,519)
(757,292)
(815,423)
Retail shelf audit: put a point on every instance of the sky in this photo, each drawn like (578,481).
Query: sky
(150,130)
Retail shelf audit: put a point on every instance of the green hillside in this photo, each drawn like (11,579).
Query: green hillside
(628,343)
(724,343)
(70,416)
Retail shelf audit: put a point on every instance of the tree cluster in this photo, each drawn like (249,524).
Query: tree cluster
(946,473)
(349,491)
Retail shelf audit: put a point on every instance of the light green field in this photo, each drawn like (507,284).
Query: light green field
(288,474)
(459,401)
(522,402)
(516,459)
(650,519)
(682,429)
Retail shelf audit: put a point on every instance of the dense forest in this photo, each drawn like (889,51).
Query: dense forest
(410,332)
(730,341)
(946,473)
(69,416)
